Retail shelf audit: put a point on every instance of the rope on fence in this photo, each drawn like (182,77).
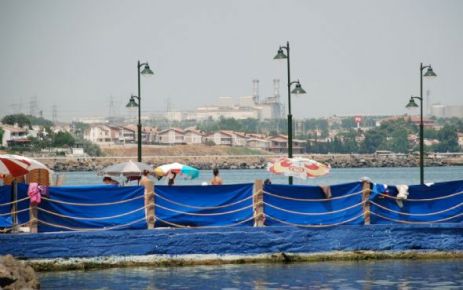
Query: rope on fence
(90,229)
(416,214)
(204,214)
(93,204)
(315,226)
(202,207)
(422,199)
(203,227)
(313,199)
(14,212)
(15,201)
(89,218)
(315,213)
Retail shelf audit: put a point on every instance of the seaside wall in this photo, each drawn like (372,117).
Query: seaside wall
(243,241)
(246,161)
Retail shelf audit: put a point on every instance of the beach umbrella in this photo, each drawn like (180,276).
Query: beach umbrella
(178,168)
(17,165)
(298,167)
(32,163)
(10,165)
(129,168)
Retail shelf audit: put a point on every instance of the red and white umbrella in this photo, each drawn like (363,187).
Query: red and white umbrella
(10,165)
(16,165)
(298,167)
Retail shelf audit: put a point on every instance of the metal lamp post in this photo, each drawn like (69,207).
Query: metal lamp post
(412,104)
(132,103)
(297,90)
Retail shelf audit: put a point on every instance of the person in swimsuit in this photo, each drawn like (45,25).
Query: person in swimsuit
(216,180)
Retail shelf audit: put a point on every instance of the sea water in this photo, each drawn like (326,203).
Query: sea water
(388,274)
(392,176)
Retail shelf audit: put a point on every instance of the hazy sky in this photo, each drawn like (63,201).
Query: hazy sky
(352,57)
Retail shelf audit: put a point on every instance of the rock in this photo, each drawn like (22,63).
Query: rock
(16,274)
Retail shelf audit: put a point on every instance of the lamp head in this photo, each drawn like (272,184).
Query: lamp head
(132,103)
(430,73)
(280,54)
(298,90)
(411,104)
(146,70)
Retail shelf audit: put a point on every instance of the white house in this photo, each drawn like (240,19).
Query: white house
(193,136)
(13,134)
(171,136)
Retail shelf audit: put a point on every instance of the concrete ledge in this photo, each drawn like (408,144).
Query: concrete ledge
(83,250)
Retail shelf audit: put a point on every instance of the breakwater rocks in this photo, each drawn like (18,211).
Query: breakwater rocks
(249,161)
(16,274)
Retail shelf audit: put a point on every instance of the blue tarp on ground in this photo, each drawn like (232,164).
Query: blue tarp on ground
(286,203)
(110,203)
(440,202)
(220,205)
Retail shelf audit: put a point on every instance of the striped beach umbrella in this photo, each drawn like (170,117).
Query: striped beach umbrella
(177,168)
(11,165)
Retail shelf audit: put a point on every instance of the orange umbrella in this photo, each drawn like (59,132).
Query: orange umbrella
(298,167)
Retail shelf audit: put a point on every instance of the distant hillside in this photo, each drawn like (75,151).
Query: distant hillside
(179,150)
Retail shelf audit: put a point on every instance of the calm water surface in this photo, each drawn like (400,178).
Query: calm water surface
(434,274)
(395,175)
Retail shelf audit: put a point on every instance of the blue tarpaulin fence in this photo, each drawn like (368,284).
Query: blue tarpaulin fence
(308,205)
(92,207)
(111,207)
(439,202)
(200,206)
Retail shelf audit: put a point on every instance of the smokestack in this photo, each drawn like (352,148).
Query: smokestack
(276,89)
(255,90)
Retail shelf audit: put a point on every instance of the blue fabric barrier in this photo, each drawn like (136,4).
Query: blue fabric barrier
(5,197)
(280,209)
(204,205)
(447,208)
(95,214)
(23,215)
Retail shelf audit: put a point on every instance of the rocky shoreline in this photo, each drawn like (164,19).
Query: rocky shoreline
(248,161)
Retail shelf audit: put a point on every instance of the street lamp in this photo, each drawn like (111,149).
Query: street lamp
(412,104)
(132,103)
(297,90)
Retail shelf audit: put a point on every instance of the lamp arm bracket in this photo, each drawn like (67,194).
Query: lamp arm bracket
(418,98)
(425,67)
(295,82)
(142,64)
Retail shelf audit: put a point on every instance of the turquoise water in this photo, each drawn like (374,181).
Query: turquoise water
(396,175)
(397,274)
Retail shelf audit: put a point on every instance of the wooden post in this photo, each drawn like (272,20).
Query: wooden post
(258,203)
(33,218)
(366,204)
(149,210)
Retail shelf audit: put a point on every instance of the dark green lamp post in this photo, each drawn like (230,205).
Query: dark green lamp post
(132,103)
(412,104)
(297,90)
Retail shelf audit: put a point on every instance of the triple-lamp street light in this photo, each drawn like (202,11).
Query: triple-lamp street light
(297,90)
(412,104)
(132,103)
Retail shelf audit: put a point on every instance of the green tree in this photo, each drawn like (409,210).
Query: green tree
(399,141)
(448,139)
(374,138)
(20,119)
(63,139)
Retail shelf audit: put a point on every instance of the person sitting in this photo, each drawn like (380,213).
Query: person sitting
(109,180)
(216,180)
(171,178)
